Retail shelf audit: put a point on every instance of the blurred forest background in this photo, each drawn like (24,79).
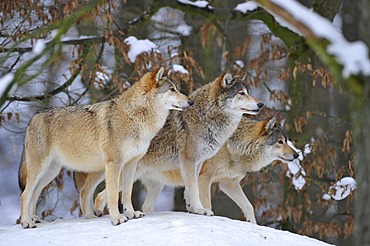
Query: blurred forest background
(59,53)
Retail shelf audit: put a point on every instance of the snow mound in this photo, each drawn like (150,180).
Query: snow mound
(164,228)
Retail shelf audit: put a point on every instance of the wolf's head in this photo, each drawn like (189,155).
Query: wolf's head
(165,91)
(235,96)
(274,140)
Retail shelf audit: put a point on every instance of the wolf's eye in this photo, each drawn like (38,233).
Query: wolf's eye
(172,89)
(280,142)
(242,93)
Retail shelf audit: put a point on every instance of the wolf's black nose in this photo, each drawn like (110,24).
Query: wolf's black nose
(260,104)
(191,102)
(295,155)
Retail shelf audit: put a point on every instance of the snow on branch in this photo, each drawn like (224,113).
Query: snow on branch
(139,46)
(199,4)
(295,170)
(291,14)
(245,7)
(341,189)
(5,82)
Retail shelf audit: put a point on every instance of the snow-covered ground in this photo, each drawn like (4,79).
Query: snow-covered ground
(163,228)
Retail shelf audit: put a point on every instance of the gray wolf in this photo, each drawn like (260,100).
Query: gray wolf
(191,137)
(108,137)
(254,145)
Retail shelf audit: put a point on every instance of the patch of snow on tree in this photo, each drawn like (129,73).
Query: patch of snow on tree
(307,149)
(326,197)
(342,188)
(245,7)
(199,4)
(138,46)
(5,81)
(39,46)
(296,171)
(179,68)
(298,174)
(184,29)
(239,63)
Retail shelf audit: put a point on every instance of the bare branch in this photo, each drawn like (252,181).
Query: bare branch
(65,42)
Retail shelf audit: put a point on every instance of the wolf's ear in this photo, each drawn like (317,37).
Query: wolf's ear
(227,80)
(266,126)
(282,122)
(159,74)
(270,124)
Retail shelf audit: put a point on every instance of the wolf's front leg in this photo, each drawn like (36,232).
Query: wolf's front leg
(189,175)
(235,192)
(127,179)
(112,172)
(205,183)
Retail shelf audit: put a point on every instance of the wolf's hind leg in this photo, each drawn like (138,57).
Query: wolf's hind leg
(153,189)
(100,202)
(87,191)
(36,181)
(49,175)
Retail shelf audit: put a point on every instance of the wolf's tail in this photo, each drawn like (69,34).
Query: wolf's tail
(22,172)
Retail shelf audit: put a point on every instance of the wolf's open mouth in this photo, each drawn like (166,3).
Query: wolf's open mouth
(181,108)
(288,160)
(178,107)
(251,111)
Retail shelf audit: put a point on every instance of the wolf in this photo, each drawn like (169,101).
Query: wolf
(191,137)
(104,137)
(254,145)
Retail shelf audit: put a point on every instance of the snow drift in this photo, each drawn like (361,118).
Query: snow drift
(163,228)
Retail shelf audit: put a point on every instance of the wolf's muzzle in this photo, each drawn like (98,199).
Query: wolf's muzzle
(184,105)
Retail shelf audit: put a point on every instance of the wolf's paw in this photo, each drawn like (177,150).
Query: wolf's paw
(98,212)
(253,222)
(201,211)
(133,214)
(90,216)
(119,219)
(36,219)
(28,224)
(251,219)
(139,214)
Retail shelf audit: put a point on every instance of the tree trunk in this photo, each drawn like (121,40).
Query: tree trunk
(361,126)
(327,8)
